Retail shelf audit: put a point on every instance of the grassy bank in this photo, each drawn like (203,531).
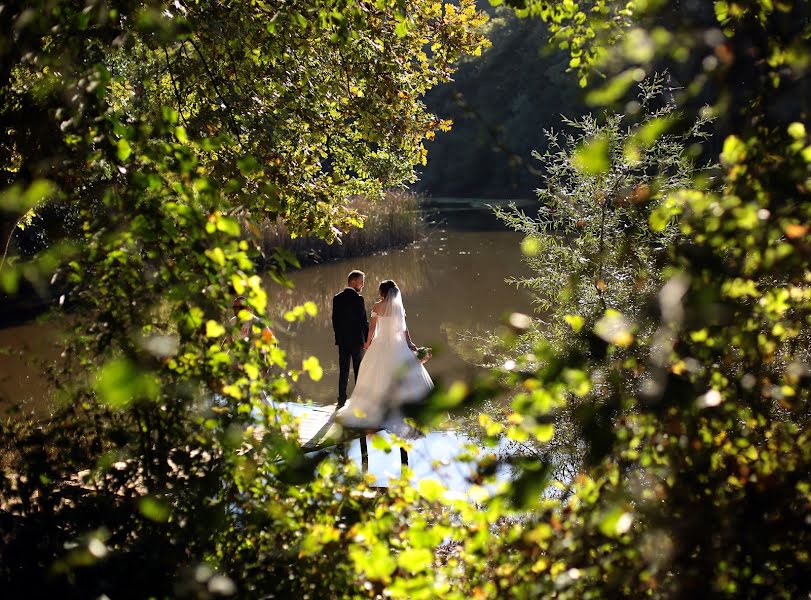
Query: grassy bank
(394,222)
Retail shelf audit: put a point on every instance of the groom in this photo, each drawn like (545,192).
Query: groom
(351,327)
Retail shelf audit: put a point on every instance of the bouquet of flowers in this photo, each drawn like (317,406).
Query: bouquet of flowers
(423,354)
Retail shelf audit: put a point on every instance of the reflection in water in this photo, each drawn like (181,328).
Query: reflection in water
(451,284)
(433,457)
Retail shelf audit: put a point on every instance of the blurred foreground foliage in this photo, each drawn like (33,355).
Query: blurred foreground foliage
(692,408)
(152,134)
(684,397)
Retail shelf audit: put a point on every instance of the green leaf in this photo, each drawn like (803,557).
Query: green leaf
(311,308)
(17,199)
(734,151)
(530,246)
(38,192)
(722,11)
(591,158)
(312,366)
(170,115)
(517,434)
(651,131)
(797,131)
(247,165)
(414,560)
(616,88)
(9,279)
(194,318)
(526,490)
(576,322)
(228,226)
(124,150)
(543,432)
(217,255)
(377,563)
(491,427)
(238,283)
(430,489)
(251,370)
(120,383)
(214,329)
(381,443)
(578,381)
(154,509)
(615,522)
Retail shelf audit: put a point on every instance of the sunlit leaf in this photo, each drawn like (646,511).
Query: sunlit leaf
(124,149)
(430,489)
(615,88)
(214,329)
(576,322)
(734,151)
(312,366)
(591,158)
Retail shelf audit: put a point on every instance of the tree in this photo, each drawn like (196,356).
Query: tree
(697,430)
(157,126)
(591,246)
(695,409)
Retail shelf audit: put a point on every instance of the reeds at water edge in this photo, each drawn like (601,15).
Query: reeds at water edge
(393,222)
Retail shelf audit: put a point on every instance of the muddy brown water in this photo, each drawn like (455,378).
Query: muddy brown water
(453,290)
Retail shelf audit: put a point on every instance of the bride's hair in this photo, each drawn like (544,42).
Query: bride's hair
(386,286)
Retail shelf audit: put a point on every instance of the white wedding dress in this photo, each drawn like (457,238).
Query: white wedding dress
(390,374)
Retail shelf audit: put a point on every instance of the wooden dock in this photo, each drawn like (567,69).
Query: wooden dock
(318,429)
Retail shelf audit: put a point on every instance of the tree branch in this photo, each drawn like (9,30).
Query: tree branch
(174,85)
(213,80)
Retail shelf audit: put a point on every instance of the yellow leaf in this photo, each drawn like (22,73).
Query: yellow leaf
(214,329)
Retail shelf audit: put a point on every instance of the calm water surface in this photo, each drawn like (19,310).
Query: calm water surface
(453,290)
(452,284)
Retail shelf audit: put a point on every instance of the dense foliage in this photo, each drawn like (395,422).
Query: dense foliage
(591,246)
(692,408)
(500,103)
(158,127)
(693,412)
(288,107)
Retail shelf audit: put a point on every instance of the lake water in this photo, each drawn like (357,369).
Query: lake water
(453,290)
(454,293)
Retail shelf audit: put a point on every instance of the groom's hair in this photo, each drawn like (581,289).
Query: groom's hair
(355,275)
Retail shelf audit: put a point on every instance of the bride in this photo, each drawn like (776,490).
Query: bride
(390,374)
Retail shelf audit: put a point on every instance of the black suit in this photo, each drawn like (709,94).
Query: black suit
(351,327)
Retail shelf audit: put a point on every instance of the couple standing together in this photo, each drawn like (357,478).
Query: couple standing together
(387,372)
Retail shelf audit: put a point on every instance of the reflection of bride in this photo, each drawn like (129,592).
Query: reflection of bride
(390,374)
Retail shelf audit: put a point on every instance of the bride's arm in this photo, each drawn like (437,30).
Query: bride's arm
(409,342)
(371,334)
